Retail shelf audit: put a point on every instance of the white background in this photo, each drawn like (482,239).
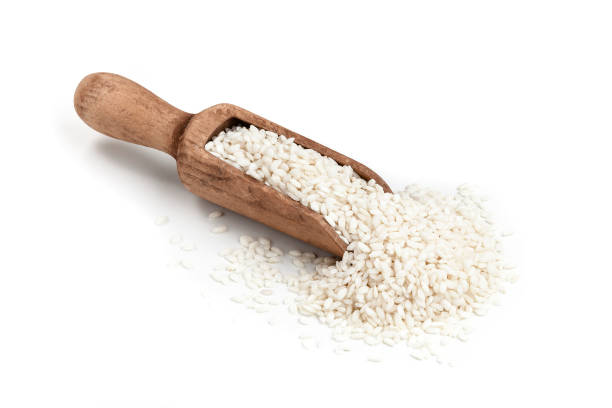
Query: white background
(513,96)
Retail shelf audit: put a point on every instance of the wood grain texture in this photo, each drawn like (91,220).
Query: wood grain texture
(120,108)
(124,110)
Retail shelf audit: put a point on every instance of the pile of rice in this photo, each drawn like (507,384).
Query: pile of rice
(418,262)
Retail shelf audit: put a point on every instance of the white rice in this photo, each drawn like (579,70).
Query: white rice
(219,229)
(215,214)
(418,262)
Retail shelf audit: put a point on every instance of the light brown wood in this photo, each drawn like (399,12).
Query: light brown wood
(122,109)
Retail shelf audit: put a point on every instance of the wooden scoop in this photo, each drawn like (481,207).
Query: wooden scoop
(122,109)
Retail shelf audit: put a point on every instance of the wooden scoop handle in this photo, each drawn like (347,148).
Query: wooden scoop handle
(120,108)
